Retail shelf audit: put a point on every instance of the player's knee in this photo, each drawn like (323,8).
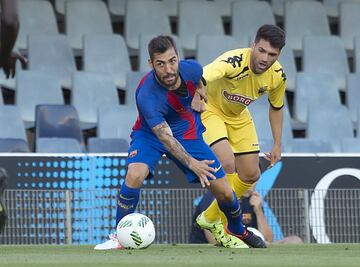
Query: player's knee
(226,196)
(229,165)
(134,177)
(251,175)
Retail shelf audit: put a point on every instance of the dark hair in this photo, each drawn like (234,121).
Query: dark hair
(271,33)
(160,44)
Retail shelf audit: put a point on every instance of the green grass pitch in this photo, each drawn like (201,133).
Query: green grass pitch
(309,255)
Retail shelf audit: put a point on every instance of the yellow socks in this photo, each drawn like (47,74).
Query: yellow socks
(213,212)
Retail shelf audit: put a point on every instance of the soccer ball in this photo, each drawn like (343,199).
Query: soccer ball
(135,230)
(256,232)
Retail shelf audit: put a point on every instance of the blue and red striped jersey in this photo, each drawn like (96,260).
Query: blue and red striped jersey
(157,104)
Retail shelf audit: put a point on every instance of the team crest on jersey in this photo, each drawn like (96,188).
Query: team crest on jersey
(133,153)
(235,61)
(235,98)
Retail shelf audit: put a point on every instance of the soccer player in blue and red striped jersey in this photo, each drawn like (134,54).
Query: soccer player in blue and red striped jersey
(168,125)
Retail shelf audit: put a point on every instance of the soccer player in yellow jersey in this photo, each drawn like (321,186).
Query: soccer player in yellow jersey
(233,81)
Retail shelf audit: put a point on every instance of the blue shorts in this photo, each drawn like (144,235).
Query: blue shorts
(148,149)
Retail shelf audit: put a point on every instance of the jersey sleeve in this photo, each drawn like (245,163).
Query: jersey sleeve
(150,109)
(276,95)
(227,65)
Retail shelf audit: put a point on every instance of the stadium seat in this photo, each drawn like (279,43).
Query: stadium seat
(107,54)
(117,7)
(316,57)
(60,121)
(34,88)
(287,61)
(85,17)
(332,7)
(144,17)
(348,24)
(91,91)
(12,123)
(132,81)
(53,55)
(144,53)
(116,122)
(305,145)
(172,6)
(35,17)
(278,6)
(60,5)
(329,123)
(195,18)
(107,145)
(58,145)
(350,145)
(314,88)
(304,18)
(357,54)
(353,95)
(225,6)
(260,113)
(212,46)
(248,16)
(13,145)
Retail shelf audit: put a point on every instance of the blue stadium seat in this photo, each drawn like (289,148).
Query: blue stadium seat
(107,145)
(287,61)
(314,88)
(304,18)
(53,55)
(329,123)
(132,81)
(144,17)
(13,145)
(35,17)
(116,121)
(350,145)
(91,91)
(209,47)
(85,17)
(248,16)
(316,57)
(107,54)
(200,17)
(35,88)
(348,24)
(59,121)
(58,145)
(12,124)
(305,145)
(353,94)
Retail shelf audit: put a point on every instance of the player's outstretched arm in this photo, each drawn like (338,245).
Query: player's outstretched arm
(200,94)
(276,123)
(200,168)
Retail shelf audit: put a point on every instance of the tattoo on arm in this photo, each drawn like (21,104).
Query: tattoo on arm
(163,132)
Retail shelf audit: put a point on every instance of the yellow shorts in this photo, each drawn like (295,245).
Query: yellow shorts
(240,132)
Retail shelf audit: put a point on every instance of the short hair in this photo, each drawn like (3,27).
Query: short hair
(160,44)
(271,33)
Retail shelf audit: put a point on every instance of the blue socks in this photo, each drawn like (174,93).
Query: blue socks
(232,212)
(127,201)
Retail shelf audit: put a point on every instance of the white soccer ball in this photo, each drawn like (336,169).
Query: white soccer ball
(135,230)
(256,232)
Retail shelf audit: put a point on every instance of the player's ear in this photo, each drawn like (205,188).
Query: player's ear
(150,63)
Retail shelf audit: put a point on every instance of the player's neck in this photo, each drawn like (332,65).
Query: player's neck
(176,85)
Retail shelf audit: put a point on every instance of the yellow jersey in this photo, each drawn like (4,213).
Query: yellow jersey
(232,86)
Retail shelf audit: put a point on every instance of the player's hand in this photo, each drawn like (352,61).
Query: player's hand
(274,156)
(255,200)
(203,171)
(9,64)
(197,104)
(202,91)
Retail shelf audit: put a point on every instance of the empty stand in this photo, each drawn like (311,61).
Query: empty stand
(107,54)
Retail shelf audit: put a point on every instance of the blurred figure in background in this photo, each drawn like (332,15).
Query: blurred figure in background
(9,30)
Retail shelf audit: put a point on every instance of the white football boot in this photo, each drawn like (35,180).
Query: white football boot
(112,243)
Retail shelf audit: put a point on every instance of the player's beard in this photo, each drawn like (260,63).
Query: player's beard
(162,79)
